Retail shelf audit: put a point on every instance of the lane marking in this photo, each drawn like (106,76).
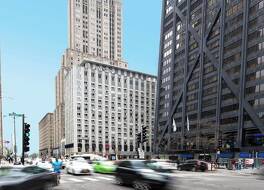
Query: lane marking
(105,178)
(75,180)
(62,181)
(90,179)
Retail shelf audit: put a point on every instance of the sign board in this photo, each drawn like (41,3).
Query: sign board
(249,161)
(141,153)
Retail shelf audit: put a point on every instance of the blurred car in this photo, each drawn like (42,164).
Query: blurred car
(106,167)
(138,174)
(27,178)
(89,157)
(79,167)
(45,165)
(193,165)
(163,166)
(29,161)
(64,163)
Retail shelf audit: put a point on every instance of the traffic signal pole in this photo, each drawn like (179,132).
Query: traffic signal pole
(23,134)
(15,144)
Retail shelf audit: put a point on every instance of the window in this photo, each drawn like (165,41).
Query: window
(261,60)
(261,46)
(261,4)
(261,32)
(179,26)
(168,35)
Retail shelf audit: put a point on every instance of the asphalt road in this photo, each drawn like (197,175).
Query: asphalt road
(181,181)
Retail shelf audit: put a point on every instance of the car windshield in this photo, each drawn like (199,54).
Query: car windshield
(78,162)
(143,164)
(33,170)
(108,163)
(79,159)
(11,173)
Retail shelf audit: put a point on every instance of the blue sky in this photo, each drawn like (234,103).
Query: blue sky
(33,37)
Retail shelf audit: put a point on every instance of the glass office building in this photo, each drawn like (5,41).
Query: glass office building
(211,78)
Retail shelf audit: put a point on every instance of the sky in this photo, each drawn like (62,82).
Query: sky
(33,37)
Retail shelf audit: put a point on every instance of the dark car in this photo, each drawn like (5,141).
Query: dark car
(139,174)
(193,165)
(27,178)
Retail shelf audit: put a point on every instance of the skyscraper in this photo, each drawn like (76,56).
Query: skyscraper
(92,114)
(95,29)
(210,86)
(1,114)
(95,34)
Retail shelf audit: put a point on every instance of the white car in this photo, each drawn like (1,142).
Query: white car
(45,165)
(79,167)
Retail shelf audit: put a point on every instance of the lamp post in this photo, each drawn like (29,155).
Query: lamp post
(15,115)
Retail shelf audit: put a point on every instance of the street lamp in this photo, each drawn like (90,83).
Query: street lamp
(15,115)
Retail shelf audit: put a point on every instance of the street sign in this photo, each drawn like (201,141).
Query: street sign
(141,153)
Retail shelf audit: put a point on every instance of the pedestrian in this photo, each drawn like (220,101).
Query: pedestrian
(57,167)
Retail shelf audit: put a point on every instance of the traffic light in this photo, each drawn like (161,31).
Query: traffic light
(138,138)
(26,137)
(144,134)
(220,143)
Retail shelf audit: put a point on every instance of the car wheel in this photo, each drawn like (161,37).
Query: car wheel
(73,172)
(119,180)
(48,186)
(139,185)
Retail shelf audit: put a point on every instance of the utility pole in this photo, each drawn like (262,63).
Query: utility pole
(1,114)
(23,134)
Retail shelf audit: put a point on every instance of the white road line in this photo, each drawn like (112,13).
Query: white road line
(75,180)
(105,178)
(62,181)
(90,179)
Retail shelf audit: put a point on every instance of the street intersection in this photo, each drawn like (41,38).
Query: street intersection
(180,181)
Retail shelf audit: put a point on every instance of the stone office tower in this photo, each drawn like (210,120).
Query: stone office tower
(95,34)
(95,29)
(211,71)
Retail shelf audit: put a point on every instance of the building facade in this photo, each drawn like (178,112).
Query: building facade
(105,106)
(95,34)
(95,29)
(46,135)
(1,113)
(210,83)
(59,118)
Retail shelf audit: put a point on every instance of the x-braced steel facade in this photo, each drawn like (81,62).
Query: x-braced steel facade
(211,77)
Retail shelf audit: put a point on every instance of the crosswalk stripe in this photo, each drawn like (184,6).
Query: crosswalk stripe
(62,181)
(105,178)
(90,179)
(75,180)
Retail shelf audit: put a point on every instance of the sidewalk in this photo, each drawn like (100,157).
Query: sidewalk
(244,172)
(5,163)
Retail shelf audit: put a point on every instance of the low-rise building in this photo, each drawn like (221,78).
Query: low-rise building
(46,135)
(105,107)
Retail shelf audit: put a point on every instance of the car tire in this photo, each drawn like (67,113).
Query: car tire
(48,186)
(119,180)
(140,185)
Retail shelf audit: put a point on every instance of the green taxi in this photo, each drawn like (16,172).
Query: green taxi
(105,167)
